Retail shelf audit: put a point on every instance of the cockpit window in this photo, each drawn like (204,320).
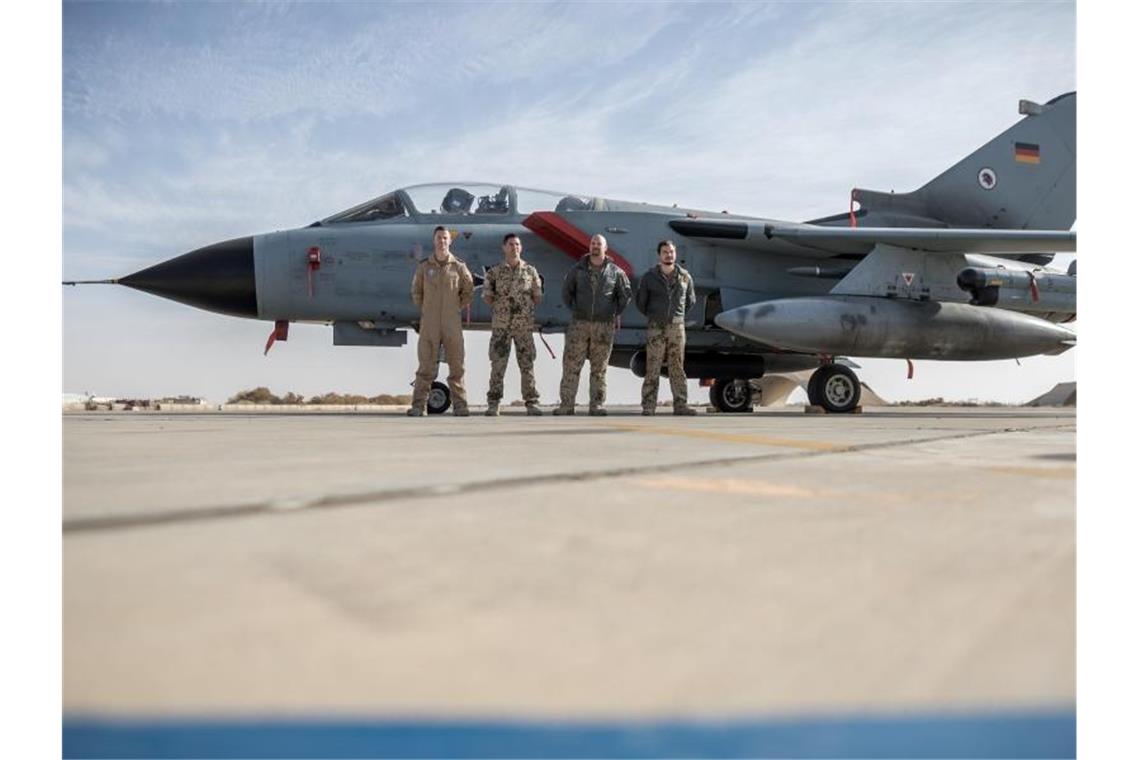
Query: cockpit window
(457,201)
(385,207)
(465,199)
(574,203)
(530,201)
(460,199)
(499,203)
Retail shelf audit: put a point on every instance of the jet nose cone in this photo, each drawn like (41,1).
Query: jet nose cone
(217,278)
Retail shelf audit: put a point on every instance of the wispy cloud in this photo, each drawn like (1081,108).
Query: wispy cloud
(259,62)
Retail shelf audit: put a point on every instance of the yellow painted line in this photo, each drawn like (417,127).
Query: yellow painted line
(709,435)
(729,486)
(1058,473)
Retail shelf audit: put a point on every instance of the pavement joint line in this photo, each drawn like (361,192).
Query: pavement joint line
(203,514)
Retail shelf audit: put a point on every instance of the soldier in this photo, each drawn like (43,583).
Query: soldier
(596,291)
(664,294)
(512,289)
(441,287)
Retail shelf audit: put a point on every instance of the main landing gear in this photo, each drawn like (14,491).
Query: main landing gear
(731,395)
(835,388)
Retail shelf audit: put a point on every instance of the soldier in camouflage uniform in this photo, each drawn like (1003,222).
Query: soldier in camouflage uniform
(512,289)
(664,294)
(442,285)
(596,291)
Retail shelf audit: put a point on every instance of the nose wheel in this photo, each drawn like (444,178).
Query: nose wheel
(834,387)
(439,398)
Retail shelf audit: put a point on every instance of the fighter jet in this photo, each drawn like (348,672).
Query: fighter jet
(956,270)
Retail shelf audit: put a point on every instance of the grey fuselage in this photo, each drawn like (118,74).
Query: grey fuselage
(366,270)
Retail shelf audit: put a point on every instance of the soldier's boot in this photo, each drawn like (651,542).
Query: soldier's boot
(684,410)
(416,411)
(532,410)
(564,411)
(598,411)
(492,410)
(461,410)
(648,411)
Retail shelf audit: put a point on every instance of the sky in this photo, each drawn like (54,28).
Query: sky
(190,123)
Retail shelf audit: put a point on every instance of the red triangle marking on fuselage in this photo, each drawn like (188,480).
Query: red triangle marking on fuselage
(567,238)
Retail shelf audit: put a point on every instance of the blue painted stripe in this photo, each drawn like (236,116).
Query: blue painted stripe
(1003,734)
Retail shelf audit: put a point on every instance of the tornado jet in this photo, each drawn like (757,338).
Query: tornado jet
(955,270)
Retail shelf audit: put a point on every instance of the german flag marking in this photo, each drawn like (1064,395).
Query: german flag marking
(1027,153)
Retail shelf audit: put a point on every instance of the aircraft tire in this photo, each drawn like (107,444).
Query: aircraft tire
(439,398)
(813,389)
(731,395)
(837,388)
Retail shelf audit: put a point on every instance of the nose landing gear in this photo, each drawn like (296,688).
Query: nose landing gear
(439,398)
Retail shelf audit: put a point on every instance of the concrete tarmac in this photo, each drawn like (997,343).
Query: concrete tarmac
(372,564)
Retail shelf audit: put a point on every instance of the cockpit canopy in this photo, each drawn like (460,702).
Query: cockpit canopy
(387,206)
(464,199)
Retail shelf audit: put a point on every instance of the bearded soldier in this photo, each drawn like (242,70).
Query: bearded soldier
(512,289)
(664,294)
(596,291)
(441,287)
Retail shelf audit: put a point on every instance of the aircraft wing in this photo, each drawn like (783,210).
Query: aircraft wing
(761,235)
(934,240)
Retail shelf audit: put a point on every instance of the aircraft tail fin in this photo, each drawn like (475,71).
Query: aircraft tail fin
(1025,178)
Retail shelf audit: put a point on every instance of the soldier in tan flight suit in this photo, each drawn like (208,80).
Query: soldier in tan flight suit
(512,289)
(441,287)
